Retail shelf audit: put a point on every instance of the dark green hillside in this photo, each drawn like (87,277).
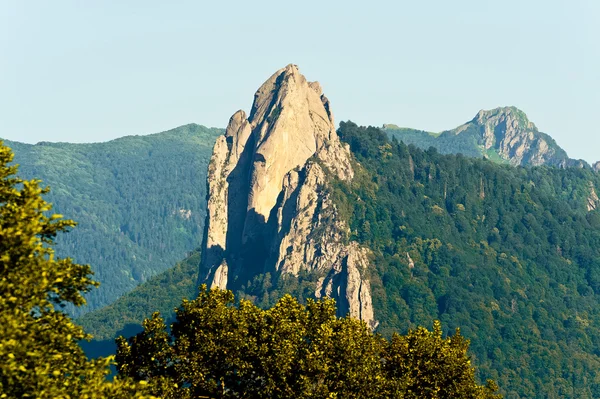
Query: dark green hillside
(139,202)
(445,143)
(419,138)
(509,255)
(161,293)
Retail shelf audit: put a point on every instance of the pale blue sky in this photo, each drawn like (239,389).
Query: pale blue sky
(92,71)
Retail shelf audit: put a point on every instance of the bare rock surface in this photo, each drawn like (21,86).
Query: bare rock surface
(268,204)
(508,132)
(592,201)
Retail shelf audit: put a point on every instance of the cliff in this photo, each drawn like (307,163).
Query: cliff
(269,210)
(508,132)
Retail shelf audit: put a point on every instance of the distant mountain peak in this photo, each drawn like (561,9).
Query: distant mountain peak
(596,166)
(510,112)
(503,134)
(508,133)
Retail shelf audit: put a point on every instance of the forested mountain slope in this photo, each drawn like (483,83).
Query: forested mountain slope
(139,201)
(397,235)
(161,293)
(509,255)
(504,135)
(401,237)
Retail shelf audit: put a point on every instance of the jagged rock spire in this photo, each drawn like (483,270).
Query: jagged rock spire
(266,195)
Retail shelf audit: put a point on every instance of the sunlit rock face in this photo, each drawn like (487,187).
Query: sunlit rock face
(592,200)
(268,204)
(508,132)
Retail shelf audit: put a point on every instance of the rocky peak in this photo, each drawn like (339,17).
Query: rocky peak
(268,203)
(596,166)
(516,139)
(495,116)
(291,122)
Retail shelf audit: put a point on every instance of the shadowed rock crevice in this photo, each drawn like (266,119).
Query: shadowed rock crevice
(237,201)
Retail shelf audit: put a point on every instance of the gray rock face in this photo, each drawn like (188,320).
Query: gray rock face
(592,201)
(219,279)
(515,139)
(596,166)
(268,204)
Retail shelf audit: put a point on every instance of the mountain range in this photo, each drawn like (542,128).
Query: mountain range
(501,240)
(139,201)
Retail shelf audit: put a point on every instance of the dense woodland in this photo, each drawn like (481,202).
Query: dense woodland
(509,255)
(445,143)
(214,349)
(40,356)
(139,201)
(161,293)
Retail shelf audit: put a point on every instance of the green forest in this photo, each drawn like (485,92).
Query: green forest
(509,255)
(139,202)
(161,293)
(216,348)
(446,143)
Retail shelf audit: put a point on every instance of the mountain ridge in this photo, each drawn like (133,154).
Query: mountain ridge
(139,201)
(185,126)
(503,134)
(31,166)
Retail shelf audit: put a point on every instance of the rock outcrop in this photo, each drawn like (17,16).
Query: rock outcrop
(503,135)
(592,201)
(269,208)
(596,166)
(509,133)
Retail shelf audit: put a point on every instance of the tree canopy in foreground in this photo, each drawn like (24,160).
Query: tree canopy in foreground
(39,352)
(216,348)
